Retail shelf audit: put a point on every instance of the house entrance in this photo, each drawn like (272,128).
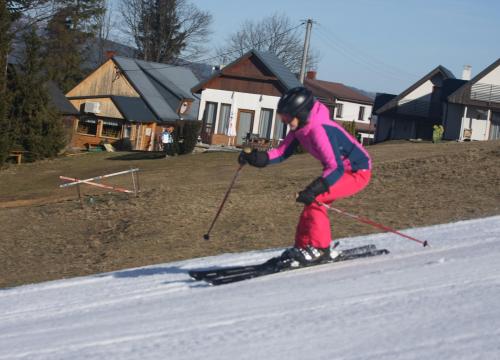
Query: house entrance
(244,125)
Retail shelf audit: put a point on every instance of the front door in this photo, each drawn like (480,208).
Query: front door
(244,125)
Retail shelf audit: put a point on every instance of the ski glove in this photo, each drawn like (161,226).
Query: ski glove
(308,195)
(254,158)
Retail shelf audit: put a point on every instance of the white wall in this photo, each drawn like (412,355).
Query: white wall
(493,77)
(421,92)
(239,100)
(350,112)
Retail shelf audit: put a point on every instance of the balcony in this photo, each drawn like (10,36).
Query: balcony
(485,92)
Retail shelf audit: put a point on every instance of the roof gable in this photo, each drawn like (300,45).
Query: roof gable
(254,65)
(161,86)
(439,70)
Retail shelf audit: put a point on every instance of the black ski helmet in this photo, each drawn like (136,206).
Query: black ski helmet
(297,102)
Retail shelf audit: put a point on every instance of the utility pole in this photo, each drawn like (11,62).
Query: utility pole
(306,50)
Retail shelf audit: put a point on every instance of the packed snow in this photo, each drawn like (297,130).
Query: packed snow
(440,302)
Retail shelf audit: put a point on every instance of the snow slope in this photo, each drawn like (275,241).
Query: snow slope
(416,303)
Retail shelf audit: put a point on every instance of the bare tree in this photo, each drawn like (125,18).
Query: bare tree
(275,34)
(163,30)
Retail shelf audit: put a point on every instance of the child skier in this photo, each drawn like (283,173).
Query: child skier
(346,169)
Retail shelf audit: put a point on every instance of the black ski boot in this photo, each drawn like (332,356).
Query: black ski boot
(296,257)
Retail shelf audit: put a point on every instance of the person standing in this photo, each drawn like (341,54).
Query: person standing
(167,141)
(346,169)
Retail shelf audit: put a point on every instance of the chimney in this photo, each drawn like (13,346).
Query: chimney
(110,54)
(466,73)
(311,75)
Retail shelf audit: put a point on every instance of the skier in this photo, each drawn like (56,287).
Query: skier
(346,169)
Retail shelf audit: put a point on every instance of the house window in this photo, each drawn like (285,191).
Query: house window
(279,130)
(361,115)
(87,125)
(475,113)
(209,117)
(225,112)
(111,129)
(266,119)
(331,110)
(340,107)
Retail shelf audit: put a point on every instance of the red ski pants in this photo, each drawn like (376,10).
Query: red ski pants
(314,223)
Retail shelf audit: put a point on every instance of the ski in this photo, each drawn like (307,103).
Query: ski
(226,275)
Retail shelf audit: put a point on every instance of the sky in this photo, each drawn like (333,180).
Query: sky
(438,302)
(379,45)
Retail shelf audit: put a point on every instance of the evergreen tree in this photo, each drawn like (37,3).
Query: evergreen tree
(41,130)
(68,33)
(5,38)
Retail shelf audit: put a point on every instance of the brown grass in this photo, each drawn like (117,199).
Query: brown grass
(46,234)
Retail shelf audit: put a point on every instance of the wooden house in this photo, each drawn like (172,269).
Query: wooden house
(344,103)
(128,102)
(240,100)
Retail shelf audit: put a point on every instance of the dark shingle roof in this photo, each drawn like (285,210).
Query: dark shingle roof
(161,86)
(60,102)
(335,90)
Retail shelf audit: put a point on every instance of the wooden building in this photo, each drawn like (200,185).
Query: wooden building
(127,102)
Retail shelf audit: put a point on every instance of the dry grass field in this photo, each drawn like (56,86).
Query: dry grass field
(45,233)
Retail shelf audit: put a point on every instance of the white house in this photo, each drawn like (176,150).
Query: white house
(240,100)
(473,110)
(344,103)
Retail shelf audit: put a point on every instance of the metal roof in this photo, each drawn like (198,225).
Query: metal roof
(133,109)
(286,78)
(161,86)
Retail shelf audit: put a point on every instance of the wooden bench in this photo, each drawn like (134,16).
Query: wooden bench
(18,155)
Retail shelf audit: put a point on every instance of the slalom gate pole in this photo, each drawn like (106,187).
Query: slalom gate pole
(207,235)
(373,223)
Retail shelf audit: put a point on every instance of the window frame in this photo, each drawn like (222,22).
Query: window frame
(267,133)
(340,110)
(223,124)
(361,113)
(88,120)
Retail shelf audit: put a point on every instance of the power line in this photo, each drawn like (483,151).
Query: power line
(373,64)
(240,50)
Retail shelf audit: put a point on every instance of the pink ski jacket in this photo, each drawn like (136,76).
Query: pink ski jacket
(324,139)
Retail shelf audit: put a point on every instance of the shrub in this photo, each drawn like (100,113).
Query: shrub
(189,136)
(350,127)
(437,133)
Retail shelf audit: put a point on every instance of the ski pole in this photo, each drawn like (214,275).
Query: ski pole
(373,223)
(207,235)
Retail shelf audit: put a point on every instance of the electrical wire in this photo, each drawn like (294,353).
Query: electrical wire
(240,50)
(374,65)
